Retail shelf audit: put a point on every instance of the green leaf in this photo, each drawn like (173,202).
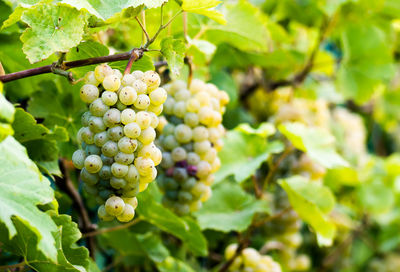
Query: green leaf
(246,28)
(204,8)
(318,143)
(52,29)
(174,52)
(40,142)
(376,197)
(22,188)
(107,9)
(185,229)
(312,202)
(361,74)
(153,246)
(229,208)
(170,264)
(7,111)
(243,153)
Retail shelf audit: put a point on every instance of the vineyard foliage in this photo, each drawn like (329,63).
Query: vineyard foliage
(276,121)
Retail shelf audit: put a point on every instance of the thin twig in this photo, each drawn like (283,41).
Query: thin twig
(68,187)
(185,27)
(257,190)
(115,228)
(143,29)
(275,166)
(11,266)
(189,62)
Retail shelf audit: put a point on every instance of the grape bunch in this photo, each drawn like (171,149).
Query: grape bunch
(190,139)
(250,260)
(118,156)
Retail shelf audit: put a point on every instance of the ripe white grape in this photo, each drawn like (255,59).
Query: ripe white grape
(127,145)
(117,183)
(92,150)
(89,178)
(183,133)
(200,134)
(192,105)
(112,117)
(147,135)
(154,120)
(138,74)
(91,79)
(105,172)
(131,201)
(152,79)
(85,118)
(114,205)
(203,169)
(89,93)
(132,130)
(158,96)
(110,149)
(87,135)
(128,116)
(96,124)
(117,73)
(191,119)
(100,138)
(124,158)
(115,133)
(93,163)
(143,119)
(139,86)
(101,71)
(98,108)
(103,215)
(144,165)
(127,80)
(119,170)
(193,158)
(109,98)
(127,214)
(111,83)
(169,105)
(128,95)
(157,110)
(78,158)
(178,154)
(180,109)
(182,95)
(133,175)
(142,102)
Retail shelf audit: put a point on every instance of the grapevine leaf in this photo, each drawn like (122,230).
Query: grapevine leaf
(204,8)
(318,144)
(170,264)
(244,152)
(312,202)
(246,28)
(229,208)
(40,142)
(153,246)
(7,111)
(107,9)
(185,229)
(124,241)
(52,29)
(22,188)
(174,52)
(361,73)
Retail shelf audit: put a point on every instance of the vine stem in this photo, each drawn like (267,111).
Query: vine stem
(105,230)
(67,186)
(11,266)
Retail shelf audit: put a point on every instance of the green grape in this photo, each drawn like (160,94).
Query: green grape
(180,174)
(119,170)
(179,109)
(147,135)
(105,172)
(115,133)
(170,142)
(117,183)
(193,158)
(128,116)
(182,209)
(133,175)
(127,214)
(191,119)
(210,155)
(127,80)
(93,163)
(178,154)
(106,160)
(131,201)
(109,98)
(143,119)
(87,135)
(112,117)
(139,86)
(131,190)
(152,79)
(78,159)
(168,129)
(198,189)
(202,147)
(124,158)
(144,165)
(92,190)
(127,145)
(114,206)
(132,130)
(169,105)
(103,215)
(183,133)
(142,102)
(182,95)
(100,138)
(85,118)
(189,184)
(154,120)
(101,71)
(92,150)
(109,149)
(91,79)
(158,96)
(192,105)
(111,83)
(203,169)
(167,161)
(195,205)
(105,194)
(98,108)
(203,98)
(214,134)
(149,178)
(184,197)
(138,74)
(96,124)
(89,93)
(88,178)
(128,95)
